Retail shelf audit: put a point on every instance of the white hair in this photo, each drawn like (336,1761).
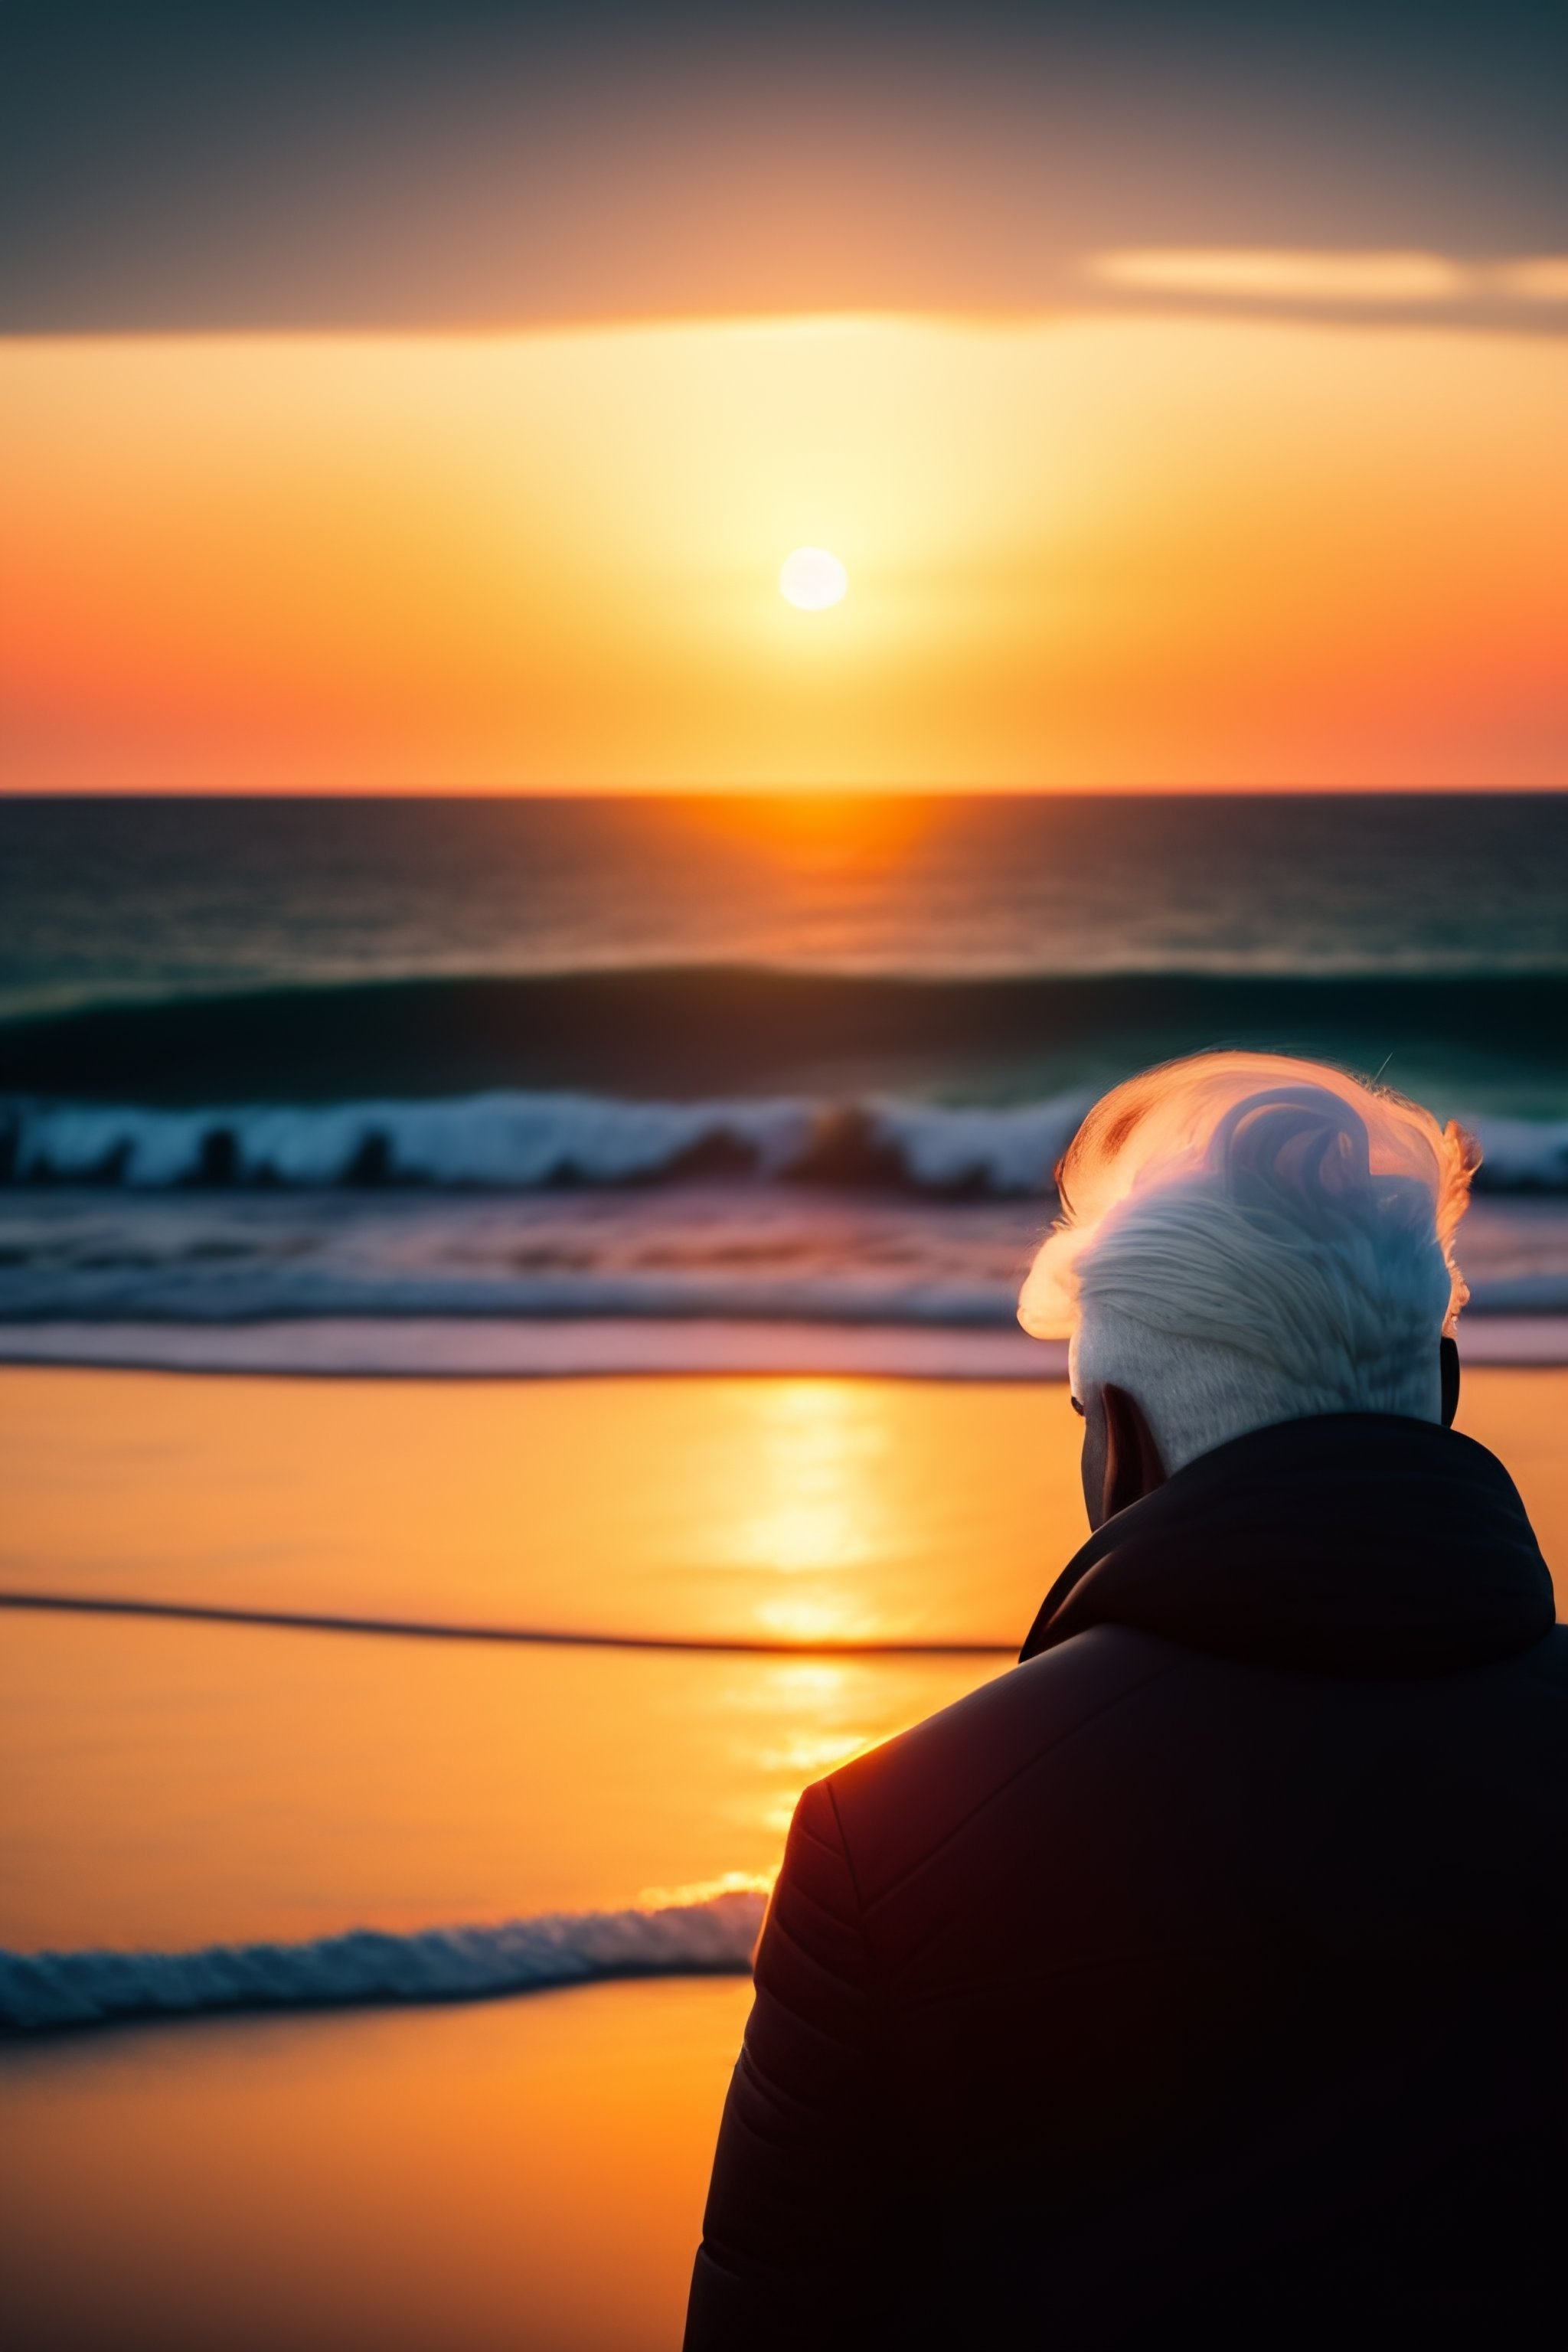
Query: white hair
(1249,1239)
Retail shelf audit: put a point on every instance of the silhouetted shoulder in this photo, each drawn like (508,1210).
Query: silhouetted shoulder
(900,1803)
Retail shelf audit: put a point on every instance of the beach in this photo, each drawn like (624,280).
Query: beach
(530,2168)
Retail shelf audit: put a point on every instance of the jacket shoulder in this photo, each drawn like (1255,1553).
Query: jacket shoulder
(897,1804)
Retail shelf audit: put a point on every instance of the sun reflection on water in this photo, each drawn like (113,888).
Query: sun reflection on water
(802,1718)
(816,1505)
(822,1750)
(706,1890)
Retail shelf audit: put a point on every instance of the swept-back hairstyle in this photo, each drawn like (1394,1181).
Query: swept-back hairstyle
(1246,1238)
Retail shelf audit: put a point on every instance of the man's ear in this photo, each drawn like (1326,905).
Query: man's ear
(1448,1364)
(1133,1463)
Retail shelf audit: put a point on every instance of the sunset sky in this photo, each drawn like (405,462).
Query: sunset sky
(427,399)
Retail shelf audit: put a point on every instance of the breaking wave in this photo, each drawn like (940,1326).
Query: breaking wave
(1522,1155)
(509,1141)
(506,1142)
(57,1991)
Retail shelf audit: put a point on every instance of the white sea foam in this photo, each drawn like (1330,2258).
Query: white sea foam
(492,1348)
(256,1272)
(1522,1155)
(513,1141)
(507,1141)
(1012,1149)
(47,1991)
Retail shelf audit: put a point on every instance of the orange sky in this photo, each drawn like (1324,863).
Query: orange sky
(1094,550)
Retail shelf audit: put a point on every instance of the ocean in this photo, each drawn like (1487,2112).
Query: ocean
(360,1083)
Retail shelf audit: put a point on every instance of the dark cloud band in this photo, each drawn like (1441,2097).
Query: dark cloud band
(165,168)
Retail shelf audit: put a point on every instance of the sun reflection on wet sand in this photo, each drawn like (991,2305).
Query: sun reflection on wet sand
(816,1498)
(804,1717)
(172,1785)
(798,1511)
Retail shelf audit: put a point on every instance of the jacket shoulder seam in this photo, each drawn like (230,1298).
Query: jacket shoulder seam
(1166,1665)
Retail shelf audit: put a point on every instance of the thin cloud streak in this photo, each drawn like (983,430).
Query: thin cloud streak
(1295,276)
(1311,281)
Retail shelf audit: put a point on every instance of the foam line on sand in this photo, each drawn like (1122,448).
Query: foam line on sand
(589,1348)
(452,1348)
(58,1991)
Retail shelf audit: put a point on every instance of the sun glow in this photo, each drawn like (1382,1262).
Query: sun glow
(812,579)
(1176,551)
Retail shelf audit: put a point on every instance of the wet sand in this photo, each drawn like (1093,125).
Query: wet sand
(799,1509)
(169,1786)
(529,2171)
(795,1509)
(526,2174)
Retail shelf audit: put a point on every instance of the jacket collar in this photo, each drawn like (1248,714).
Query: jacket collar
(1359,1545)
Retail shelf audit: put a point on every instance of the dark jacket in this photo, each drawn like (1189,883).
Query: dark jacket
(1202,1979)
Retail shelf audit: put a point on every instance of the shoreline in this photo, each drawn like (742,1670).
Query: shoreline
(452,1348)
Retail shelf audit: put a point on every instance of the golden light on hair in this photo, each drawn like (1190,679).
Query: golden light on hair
(1161,1130)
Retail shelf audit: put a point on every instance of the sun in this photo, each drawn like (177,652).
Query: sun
(812,579)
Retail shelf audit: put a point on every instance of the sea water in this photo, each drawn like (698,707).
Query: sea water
(786,1063)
